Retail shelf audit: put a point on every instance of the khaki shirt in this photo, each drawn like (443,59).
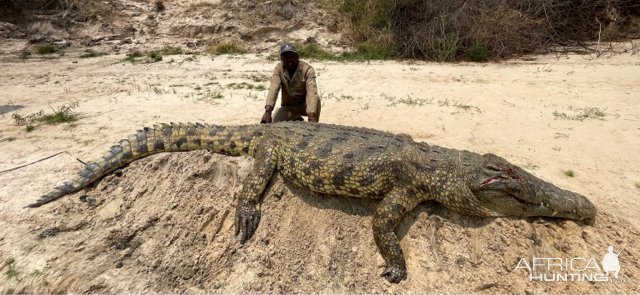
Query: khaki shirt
(298,90)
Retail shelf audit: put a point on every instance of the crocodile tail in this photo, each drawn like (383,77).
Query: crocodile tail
(174,137)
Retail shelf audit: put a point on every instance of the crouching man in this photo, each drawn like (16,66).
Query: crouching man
(297,79)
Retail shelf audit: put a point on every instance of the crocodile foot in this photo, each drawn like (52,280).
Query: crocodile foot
(247,220)
(394,274)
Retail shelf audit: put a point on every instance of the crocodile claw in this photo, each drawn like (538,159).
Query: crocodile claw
(247,220)
(394,275)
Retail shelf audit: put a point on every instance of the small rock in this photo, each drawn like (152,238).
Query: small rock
(87,199)
(426,264)
(119,264)
(460,260)
(187,272)
(504,240)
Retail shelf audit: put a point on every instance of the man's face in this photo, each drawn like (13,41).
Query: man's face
(289,60)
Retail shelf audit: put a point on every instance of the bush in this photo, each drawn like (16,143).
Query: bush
(133,56)
(171,50)
(46,49)
(371,51)
(445,30)
(64,114)
(148,57)
(478,52)
(225,48)
(155,56)
(24,54)
(92,53)
(314,51)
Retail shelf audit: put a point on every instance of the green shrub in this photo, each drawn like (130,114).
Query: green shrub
(225,48)
(92,53)
(64,114)
(364,51)
(24,55)
(478,52)
(371,51)
(133,56)
(314,51)
(171,50)
(46,49)
(137,56)
(155,56)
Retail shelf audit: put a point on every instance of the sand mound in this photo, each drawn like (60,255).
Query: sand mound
(165,224)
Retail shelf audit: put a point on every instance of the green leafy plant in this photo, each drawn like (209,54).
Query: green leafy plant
(225,48)
(24,54)
(133,56)
(144,57)
(370,51)
(46,49)
(478,52)
(155,56)
(363,52)
(314,51)
(171,50)
(63,114)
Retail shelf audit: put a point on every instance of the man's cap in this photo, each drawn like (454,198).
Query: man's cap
(288,47)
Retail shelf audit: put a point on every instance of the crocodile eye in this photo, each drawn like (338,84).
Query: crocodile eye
(494,168)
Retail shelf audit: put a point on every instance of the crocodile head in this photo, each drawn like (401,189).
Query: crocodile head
(508,190)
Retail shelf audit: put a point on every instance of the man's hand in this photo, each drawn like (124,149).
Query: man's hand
(311,117)
(266,118)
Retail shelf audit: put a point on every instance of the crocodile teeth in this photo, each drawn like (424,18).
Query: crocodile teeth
(554,213)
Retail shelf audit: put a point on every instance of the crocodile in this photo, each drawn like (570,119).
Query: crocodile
(351,162)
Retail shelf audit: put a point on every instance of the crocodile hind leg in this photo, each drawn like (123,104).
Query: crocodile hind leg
(248,206)
(388,215)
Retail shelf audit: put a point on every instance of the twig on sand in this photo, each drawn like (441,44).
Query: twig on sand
(25,165)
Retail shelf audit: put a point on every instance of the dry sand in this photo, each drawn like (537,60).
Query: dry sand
(165,223)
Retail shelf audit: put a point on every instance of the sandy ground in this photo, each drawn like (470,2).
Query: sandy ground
(164,223)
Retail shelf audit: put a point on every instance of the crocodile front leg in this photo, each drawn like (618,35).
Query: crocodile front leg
(388,214)
(248,206)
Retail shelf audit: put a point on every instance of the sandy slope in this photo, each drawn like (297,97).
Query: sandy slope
(164,224)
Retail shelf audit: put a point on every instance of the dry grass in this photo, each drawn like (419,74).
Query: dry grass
(225,48)
(70,10)
(64,114)
(201,5)
(478,30)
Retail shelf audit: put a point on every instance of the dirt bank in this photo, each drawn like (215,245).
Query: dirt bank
(165,224)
